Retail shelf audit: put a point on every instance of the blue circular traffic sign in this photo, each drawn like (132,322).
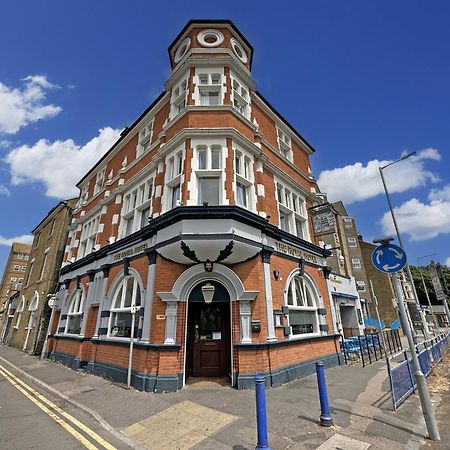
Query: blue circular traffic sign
(389,258)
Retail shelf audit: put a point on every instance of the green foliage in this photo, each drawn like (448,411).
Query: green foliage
(428,283)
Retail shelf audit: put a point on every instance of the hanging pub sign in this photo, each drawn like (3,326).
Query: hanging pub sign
(324,221)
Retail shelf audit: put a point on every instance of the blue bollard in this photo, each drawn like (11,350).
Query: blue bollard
(325,418)
(261,417)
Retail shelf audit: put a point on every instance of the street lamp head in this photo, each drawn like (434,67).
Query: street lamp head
(407,155)
(384,240)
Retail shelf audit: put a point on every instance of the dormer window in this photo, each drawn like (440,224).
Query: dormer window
(241,98)
(209,89)
(99,181)
(145,138)
(284,144)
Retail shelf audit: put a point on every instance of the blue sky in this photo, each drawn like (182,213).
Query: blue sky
(362,81)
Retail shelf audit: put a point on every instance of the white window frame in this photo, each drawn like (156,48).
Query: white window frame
(99,180)
(19,312)
(361,286)
(209,171)
(240,97)
(284,140)
(88,236)
(23,269)
(173,178)
(352,242)
(348,222)
(52,227)
(20,255)
(84,195)
(145,137)
(243,175)
(41,275)
(75,310)
(32,321)
(179,96)
(13,280)
(16,268)
(356,263)
(209,80)
(122,309)
(30,271)
(298,304)
(292,205)
(136,202)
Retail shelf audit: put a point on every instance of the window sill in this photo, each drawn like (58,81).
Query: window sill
(15,327)
(301,337)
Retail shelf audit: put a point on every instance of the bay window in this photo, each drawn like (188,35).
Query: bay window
(284,143)
(174,170)
(145,138)
(126,303)
(178,98)
(292,212)
(209,175)
(241,98)
(137,208)
(243,169)
(99,181)
(88,237)
(209,89)
(302,302)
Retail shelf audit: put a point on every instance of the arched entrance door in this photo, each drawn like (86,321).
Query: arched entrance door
(208,334)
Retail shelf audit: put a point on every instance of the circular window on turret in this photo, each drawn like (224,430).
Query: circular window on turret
(182,49)
(238,50)
(210,38)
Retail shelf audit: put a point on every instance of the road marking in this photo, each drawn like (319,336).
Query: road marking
(51,414)
(72,419)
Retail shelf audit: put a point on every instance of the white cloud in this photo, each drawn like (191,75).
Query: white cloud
(422,221)
(4,190)
(24,239)
(447,262)
(22,106)
(58,165)
(359,182)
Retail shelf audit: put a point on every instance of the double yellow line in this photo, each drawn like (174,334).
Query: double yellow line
(40,401)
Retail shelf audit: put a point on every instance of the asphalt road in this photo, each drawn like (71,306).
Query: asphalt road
(31,418)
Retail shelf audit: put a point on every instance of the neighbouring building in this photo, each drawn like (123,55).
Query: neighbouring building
(347,283)
(30,312)
(192,236)
(12,281)
(382,287)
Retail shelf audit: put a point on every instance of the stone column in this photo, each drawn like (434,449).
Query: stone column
(148,301)
(245,319)
(266,254)
(171,321)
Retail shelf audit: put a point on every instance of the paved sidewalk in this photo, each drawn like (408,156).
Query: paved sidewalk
(209,416)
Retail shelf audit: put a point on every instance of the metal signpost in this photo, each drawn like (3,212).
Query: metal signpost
(391,259)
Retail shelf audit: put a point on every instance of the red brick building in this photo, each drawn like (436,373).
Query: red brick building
(193,235)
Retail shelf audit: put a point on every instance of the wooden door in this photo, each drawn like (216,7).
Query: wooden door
(209,339)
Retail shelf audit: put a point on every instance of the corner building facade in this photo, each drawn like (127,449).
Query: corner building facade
(192,235)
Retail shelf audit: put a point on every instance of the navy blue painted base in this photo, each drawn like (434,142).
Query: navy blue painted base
(283,375)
